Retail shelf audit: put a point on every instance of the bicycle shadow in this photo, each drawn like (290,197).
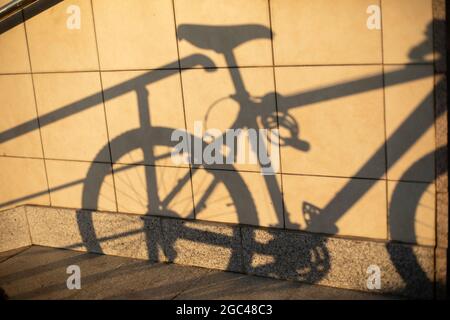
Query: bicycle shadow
(315,261)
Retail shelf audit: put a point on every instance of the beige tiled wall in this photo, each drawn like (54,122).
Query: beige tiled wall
(18,106)
(79,136)
(71,101)
(54,47)
(122,113)
(337,128)
(324,32)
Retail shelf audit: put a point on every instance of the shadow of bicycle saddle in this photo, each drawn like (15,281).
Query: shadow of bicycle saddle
(221,39)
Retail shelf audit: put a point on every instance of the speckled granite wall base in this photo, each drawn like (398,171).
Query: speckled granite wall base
(13,229)
(339,262)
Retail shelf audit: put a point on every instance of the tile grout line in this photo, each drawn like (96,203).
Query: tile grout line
(104,107)
(243,260)
(221,169)
(28,223)
(36,107)
(228,67)
(435,162)
(283,207)
(435,183)
(383,73)
(184,105)
(436,204)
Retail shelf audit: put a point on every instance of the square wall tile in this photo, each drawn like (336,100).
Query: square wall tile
(18,107)
(160,106)
(77,133)
(13,44)
(210,107)
(350,207)
(23,181)
(216,27)
(328,108)
(54,46)
(135,34)
(324,32)
(407,31)
(238,197)
(162,191)
(412,212)
(81,185)
(409,121)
